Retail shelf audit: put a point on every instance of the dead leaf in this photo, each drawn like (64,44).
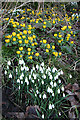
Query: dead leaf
(69,92)
(69,86)
(31,110)
(72,100)
(77,94)
(71,113)
(19,115)
(75,87)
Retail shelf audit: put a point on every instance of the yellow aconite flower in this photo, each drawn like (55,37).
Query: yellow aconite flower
(20,41)
(44,26)
(69,27)
(71,32)
(59,41)
(44,22)
(29,32)
(63,28)
(53,47)
(35,43)
(25,31)
(29,49)
(44,41)
(23,36)
(60,53)
(14,39)
(26,41)
(55,53)
(18,52)
(73,35)
(48,46)
(30,57)
(36,54)
(68,35)
(20,48)
(14,34)
(47,50)
(72,42)
(40,41)
(14,26)
(29,53)
(53,21)
(32,44)
(60,36)
(34,36)
(20,55)
(19,37)
(7,19)
(55,35)
(22,18)
(7,40)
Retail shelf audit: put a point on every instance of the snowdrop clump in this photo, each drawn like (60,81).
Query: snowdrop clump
(40,83)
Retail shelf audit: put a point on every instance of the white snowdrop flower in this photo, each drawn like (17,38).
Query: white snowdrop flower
(50,106)
(52,94)
(19,87)
(55,84)
(26,79)
(58,91)
(44,76)
(49,68)
(31,71)
(46,71)
(10,75)
(38,80)
(34,75)
(9,63)
(7,67)
(22,68)
(51,83)
(22,74)
(59,113)
(42,116)
(37,67)
(42,82)
(42,64)
(56,77)
(61,72)
(18,81)
(42,71)
(63,94)
(33,68)
(70,76)
(54,69)
(44,96)
(21,62)
(37,91)
(21,82)
(50,77)
(16,70)
(26,68)
(40,96)
(62,88)
(59,81)
(35,95)
(40,68)
(48,90)
(32,81)
(5,72)
(21,77)
(29,77)
(49,73)
(51,91)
